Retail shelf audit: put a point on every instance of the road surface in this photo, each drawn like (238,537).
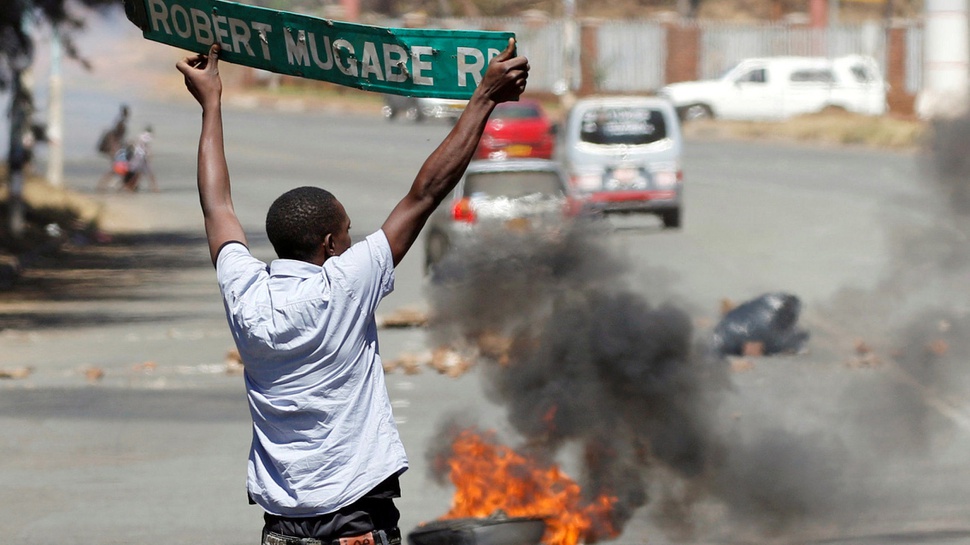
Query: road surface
(132,428)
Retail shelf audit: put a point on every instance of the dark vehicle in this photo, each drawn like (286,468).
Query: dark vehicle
(517,129)
(502,199)
(419,109)
(622,155)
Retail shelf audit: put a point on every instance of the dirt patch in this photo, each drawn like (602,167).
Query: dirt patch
(825,128)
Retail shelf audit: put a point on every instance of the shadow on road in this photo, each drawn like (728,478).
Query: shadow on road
(82,282)
(119,404)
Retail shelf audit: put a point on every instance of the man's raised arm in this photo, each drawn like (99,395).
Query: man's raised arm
(504,80)
(202,80)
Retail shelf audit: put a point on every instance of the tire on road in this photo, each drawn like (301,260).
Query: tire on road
(671,218)
(694,112)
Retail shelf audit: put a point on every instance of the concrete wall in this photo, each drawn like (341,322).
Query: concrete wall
(685,49)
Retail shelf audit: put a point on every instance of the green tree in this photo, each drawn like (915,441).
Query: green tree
(18,19)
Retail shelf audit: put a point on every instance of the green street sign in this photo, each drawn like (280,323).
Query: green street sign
(404,61)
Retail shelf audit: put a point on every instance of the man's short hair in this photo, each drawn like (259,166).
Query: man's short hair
(299,219)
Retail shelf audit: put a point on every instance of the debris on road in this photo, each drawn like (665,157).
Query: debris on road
(93,374)
(741,365)
(938,347)
(444,359)
(16,373)
(769,320)
(456,360)
(403,318)
(753,349)
(146,367)
(864,357)
(495,346)
(451,362)
(409,363)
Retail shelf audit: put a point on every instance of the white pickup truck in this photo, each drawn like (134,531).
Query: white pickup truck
(775,88)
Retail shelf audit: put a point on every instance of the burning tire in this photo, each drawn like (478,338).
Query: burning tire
(479,531)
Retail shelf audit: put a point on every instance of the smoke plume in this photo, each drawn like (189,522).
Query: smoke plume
(901,409)
(591,361)
(588,360)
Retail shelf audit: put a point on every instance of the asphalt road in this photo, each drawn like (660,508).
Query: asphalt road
(154,449)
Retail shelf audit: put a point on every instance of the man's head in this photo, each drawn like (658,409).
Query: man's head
(308,224)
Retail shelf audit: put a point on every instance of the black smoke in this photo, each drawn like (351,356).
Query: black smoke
(898,413)
(592,362)
(839,438)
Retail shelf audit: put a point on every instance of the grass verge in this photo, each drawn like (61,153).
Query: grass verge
(52,215)
(825,128)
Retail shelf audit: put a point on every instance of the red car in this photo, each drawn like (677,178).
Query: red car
(516,130)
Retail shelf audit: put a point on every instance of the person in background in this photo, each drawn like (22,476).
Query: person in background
(111,144)
(139,162)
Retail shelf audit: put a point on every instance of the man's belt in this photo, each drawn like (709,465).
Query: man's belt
(376,537)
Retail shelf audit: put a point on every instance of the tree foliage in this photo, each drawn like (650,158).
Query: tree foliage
(18,20)
(19,17)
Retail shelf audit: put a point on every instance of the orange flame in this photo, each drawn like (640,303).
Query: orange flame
(489,477)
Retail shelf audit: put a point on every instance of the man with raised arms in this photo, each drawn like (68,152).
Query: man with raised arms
(326,454)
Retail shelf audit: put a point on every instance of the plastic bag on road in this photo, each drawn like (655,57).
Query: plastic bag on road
(770,319)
